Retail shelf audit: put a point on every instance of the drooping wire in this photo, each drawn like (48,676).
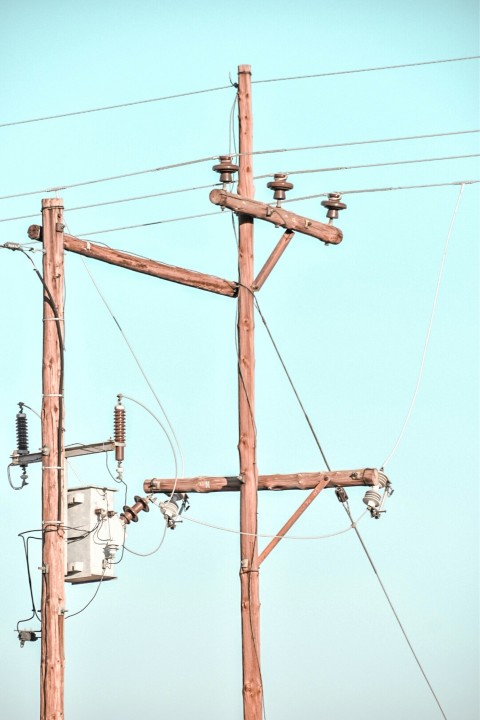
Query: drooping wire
(399,622)
(429,331)
(78,612)
(144,375)
(271,537)
(155,550)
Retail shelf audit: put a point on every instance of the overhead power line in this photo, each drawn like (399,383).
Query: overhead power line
(57,188)
(204,91)
(384,189)
(114,107)
(156,222)
(365,70)
(371,165)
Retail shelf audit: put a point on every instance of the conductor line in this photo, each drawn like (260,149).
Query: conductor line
(56,188)
(227,87)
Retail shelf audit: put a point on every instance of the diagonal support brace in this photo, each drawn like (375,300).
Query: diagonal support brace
(283,531)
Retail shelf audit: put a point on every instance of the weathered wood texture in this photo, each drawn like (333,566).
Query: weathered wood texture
(250,601)
(242,204)
(295,481)
(52,664)
(211,283)
(272,260)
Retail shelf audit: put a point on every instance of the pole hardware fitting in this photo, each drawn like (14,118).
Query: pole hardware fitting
(333,205)
(44,569)
(226,168)
(130,514)
(341,494)
(62,611)
(280,186)
(45,450)
(35,232)
(26,636)
(59,227)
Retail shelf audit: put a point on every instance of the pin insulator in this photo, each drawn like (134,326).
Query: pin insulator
(333,205)
(280,186)
(130,514)
(226,168)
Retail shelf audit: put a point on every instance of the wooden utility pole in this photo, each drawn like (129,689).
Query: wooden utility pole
(53,464)
(250,602)
(247,482)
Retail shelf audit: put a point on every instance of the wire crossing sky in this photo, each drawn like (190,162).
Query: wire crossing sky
(379,102)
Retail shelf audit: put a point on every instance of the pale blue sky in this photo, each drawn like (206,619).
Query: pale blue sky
(350,321)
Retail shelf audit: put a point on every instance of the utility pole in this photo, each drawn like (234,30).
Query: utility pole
(247,482)
(53,466)
(249,581)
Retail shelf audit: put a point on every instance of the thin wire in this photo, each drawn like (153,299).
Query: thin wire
(152,552)
(155,417)
(116,202)
(256,152)
(385,189)
(144,375)
(269,537)
(371,165)
(161,168)
(67,617)
(347,510)
(363,70)
(115,107)
(156,222)
(317,441)
(429,331)
(227,87)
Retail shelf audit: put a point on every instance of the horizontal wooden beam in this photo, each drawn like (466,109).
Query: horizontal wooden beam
(296,481)
(277,216)
(211,283)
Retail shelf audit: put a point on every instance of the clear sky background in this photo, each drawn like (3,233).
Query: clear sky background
(164,638)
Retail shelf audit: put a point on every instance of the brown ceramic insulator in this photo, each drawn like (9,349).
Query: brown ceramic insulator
(119,431)
(333,205)
(226,168)
(130,514)
(280,186)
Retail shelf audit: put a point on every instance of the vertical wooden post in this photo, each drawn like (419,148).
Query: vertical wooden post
(53,464)
(250,603)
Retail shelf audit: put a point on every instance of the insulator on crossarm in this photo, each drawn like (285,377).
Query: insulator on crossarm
(22,431)
(119,430)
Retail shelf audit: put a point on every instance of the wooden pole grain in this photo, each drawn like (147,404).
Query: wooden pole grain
(52,664)
(249,583)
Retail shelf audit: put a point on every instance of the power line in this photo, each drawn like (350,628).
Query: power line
(156,222)
(372,165)
(347,510)
(115,107)
(364,70)
(116,202)
(385,189)
(227,87)
(57,188)
(429,331)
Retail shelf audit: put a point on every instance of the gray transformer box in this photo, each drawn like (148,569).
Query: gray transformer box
(95,533)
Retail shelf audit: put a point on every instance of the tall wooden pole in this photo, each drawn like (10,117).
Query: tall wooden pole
(250,603)
(53,463)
